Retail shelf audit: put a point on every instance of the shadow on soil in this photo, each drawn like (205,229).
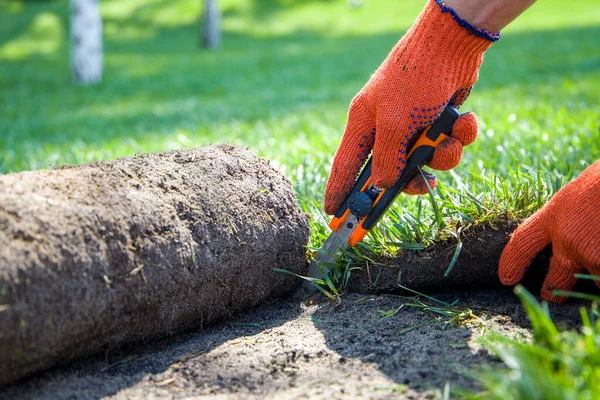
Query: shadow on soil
(297,347)
(418,348)
(117,369)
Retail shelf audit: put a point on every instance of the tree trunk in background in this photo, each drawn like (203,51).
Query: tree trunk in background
(86,41)
(211,25)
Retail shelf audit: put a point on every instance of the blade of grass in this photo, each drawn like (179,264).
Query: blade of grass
(408,246)
(457,251)
(436,210)
(424,295)
(576,295)
(586,276)
(317,283)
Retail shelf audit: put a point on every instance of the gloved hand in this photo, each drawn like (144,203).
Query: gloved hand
(435,64)
(571,222)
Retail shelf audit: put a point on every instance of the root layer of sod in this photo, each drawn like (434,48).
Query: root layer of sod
(448,264)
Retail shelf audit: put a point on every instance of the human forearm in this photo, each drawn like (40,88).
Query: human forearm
(434,65)
(492,15)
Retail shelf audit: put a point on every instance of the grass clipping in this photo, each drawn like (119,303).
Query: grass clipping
(95,256)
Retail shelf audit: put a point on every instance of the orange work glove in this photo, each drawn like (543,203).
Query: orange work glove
(435,64)
(571,222)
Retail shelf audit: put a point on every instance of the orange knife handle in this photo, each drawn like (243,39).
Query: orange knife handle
(419,154)
(362,184)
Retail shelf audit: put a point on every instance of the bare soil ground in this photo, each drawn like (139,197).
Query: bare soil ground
(296,348)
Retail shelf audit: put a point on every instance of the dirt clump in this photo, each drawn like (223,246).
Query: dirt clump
(99,255)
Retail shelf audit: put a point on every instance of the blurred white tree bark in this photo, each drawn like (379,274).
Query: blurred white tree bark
(86,41)
(211,25)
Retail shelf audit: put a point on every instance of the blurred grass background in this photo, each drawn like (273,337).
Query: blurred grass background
(282,84)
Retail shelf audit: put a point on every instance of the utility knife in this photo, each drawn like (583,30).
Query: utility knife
(366,203)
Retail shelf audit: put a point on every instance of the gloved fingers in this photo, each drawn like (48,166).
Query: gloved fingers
(356,144)
(446,155)
(527,240)
(465,128)
(561,276)
(417,184)
(389,155)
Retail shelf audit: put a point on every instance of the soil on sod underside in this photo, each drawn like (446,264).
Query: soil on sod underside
(298,348)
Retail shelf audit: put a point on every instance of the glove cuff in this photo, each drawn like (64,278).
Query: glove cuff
(449,41)
(475,30)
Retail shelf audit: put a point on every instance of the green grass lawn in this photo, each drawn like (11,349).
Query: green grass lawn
(282,84)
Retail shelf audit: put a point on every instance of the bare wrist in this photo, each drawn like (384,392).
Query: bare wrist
(489,15)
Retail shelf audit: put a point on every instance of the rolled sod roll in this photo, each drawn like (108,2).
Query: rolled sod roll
(113,252)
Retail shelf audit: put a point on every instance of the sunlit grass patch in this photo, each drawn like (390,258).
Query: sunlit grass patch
(44,36)
(554,365)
